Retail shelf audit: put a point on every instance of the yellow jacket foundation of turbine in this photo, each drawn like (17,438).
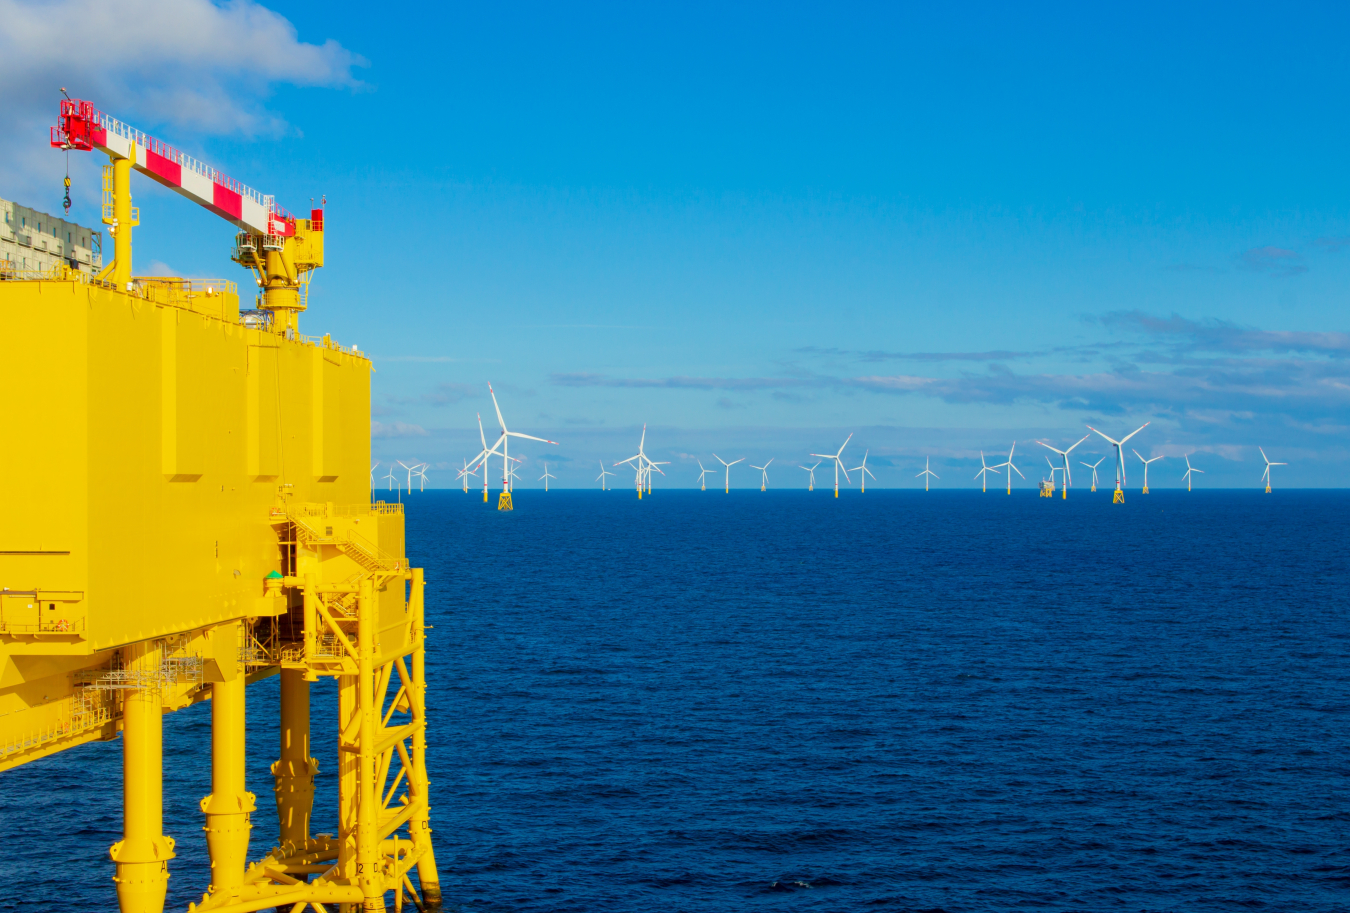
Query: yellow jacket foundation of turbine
(187,513)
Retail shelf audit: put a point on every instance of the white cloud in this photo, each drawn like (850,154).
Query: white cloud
(193,65)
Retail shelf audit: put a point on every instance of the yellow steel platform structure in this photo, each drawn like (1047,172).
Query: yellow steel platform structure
(202,521)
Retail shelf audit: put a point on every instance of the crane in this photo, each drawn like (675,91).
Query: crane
(280,249)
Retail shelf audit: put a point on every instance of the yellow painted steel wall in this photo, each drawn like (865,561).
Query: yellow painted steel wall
(148,448)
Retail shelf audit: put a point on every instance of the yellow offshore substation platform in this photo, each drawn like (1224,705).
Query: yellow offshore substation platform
(212,527)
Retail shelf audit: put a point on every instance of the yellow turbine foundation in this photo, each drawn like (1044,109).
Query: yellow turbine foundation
(504,501)
(1118,497)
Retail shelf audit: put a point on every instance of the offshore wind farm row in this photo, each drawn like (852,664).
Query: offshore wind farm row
(1058,479)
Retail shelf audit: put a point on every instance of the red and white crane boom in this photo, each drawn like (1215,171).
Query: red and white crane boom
(84,127)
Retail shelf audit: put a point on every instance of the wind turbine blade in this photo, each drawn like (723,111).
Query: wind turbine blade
(1135,431)
(1077,442)
(1112,440)
(1016,470)
(531,437)
(500,420)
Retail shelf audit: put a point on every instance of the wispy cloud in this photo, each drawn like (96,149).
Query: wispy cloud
(879,355)
(1277,261)
(396,429)
(448,394)
(1225,336)
(1206,373)
(682,382)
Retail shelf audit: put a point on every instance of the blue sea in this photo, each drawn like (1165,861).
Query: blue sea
(781,701)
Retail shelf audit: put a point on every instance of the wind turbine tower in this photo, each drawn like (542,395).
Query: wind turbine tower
(838,463)
(1189,469)
(1093,467)
(702,476)
(601,477)
(546,476)
(983,474)
(1145,462)
(764,474)
(1066,477)
(1265,476)
(926,473)
(1119,496)
(811,485)
(644,465)
(865,471)
(504,500)
(728,466)
(1008,464)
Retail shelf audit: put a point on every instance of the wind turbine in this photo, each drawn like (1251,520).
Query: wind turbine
(865,471)
(1190,469)
(1009,464)
(728,466)
(545,477)
(1065,473)
(465,473)
(811,486)
(372,473)
(644,465)
(1093,467)
(483,456)
(393,481)
(926,472)
(421,470)
(983,474)
(601,477)
(1145,462)
(504,501)
(702,475)
(764,470)
(1050,492)
(1119,496)
(838,463)
(411,469)
(1265,476)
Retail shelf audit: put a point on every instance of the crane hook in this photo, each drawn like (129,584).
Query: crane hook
(66,202)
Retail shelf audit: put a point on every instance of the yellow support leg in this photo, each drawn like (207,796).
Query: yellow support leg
(230,806)
(504,501)
(142,855)
(1118,497)
(369,876)
(419,826)
(294,771)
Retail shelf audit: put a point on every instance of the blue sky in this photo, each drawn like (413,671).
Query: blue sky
(761,228)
